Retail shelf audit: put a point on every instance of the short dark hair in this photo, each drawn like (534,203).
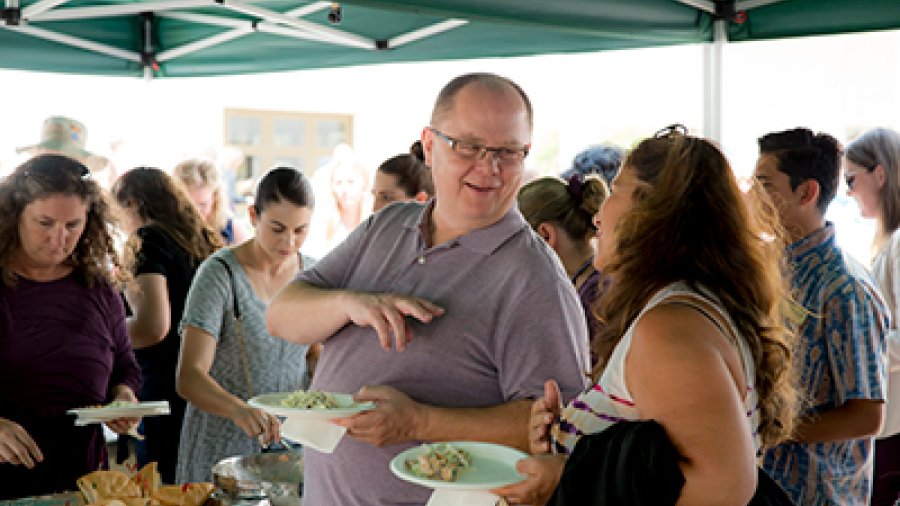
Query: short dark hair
(804,155)
(283,184)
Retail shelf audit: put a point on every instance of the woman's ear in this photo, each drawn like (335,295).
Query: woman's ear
(421,197)
(880,176)
(548,233)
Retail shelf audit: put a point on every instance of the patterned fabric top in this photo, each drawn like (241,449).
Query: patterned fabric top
(609,400)
(841,330)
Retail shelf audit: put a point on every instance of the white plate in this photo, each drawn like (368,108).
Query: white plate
(493,466)
(104,414)
(346,407)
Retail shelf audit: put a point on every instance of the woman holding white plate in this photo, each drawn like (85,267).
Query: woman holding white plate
(227,354)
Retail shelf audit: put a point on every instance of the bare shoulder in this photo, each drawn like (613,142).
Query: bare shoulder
(676,330)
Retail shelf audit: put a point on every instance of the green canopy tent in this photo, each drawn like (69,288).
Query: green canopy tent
(186,38)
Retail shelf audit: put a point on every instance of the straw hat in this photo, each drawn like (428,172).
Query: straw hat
(68,137)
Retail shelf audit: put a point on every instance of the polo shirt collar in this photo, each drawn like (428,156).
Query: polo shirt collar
(483,241)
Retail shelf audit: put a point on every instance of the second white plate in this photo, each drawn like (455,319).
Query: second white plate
(493,466)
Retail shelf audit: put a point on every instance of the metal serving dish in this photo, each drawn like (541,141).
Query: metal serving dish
(277,477)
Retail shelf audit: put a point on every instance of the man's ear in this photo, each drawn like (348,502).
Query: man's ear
(548,233)
(809,192)
(251,213)
(427,144)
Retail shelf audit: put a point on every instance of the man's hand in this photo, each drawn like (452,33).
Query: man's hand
(385,313)
(393,421)
(16,445)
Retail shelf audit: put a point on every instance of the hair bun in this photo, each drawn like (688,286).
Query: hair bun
(417,151)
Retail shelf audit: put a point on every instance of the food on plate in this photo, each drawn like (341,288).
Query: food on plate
(440,461)
(188,494)
(148,479)
(309,399)
(98,485)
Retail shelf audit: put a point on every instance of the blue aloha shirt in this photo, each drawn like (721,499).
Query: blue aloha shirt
(842,326)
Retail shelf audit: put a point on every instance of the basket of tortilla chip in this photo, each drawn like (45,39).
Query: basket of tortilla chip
(277,477)
(110,488)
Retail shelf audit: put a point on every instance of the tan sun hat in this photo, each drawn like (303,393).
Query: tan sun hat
(67,137)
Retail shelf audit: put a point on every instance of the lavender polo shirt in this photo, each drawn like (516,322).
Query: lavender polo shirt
(512,321)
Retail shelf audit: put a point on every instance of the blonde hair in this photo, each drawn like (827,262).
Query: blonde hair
(199,173)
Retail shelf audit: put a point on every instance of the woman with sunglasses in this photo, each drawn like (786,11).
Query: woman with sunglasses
(63,342)
(693,340)
(872,173)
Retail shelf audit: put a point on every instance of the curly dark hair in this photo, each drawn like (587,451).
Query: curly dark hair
(95,257)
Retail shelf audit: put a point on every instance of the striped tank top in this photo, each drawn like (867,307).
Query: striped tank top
(609,401)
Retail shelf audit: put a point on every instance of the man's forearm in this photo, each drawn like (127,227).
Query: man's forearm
(304,314)
(855,419)
(505,424)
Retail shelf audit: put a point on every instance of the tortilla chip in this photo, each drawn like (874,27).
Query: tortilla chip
(148,479)
(99,485)
(189,494)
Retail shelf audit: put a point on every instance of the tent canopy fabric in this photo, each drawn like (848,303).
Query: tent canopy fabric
(187,38)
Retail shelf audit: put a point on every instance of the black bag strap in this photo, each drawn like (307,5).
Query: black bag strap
(239,325)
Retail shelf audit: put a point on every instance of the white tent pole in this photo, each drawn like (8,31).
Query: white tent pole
(712,81)
(428,31)
(77,42)
(746,5)
(704,5)
(39,7)
(240,29)
(106,11)
(324,32)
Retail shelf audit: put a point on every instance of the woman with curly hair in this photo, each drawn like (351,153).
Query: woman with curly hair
(693,341)
(169,239)
(63,341)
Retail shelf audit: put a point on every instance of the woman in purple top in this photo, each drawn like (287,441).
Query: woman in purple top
(63,343)
(562,213)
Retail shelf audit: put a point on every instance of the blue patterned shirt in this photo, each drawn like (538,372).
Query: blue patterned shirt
(841,329)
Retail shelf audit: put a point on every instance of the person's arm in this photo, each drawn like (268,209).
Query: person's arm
(855,419)
(123,392)
(678,375)
(325,311)
(16,445)
(148,298)
(193,382)
(398,419)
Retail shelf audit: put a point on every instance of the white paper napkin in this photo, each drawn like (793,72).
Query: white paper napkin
(320,435)
(451,497)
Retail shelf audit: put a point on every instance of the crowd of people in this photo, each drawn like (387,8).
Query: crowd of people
(642,303)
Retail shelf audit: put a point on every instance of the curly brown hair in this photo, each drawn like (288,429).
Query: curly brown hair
(161,199)
(690,222)
(95,257)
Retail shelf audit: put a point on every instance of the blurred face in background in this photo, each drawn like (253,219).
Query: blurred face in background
(204,198)
(386,191)
(348,185)
(864,186)
(281,228)
(49,229)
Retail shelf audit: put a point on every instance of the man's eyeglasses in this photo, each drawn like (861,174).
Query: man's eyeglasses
(470,151)
(671,131)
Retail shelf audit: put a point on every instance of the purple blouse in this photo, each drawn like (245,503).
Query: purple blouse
(62,346)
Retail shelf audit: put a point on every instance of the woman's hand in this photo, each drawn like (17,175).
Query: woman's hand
(257,423)
(16,445)
(542,474)
(124,425)
(544,412)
